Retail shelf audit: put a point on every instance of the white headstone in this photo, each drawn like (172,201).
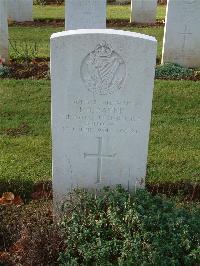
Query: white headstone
(3,31)
(143,11)
(102,85)
(20,10)
(87,14)
(182,33)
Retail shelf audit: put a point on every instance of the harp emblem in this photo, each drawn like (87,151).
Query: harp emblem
(103,70)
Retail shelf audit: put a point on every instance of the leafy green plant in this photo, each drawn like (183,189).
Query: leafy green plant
(4,71)
(173,71)
(118,228)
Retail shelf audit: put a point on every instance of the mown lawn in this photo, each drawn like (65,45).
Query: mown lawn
(25,139)
(22,36)
(113,12)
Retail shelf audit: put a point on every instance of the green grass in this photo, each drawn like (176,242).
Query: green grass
(21,36)
(157,33)
(113,12)
(48,12)
(25,157)
(174,142)
(32,35)
(174,139)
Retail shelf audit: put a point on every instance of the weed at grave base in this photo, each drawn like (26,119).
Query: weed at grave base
(118,228)
(111,228)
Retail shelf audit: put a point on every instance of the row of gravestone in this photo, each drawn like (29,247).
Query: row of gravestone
(92,13)
(182,30)
(143,11)
(181,42)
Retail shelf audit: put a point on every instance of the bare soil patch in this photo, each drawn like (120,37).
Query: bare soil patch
(124,23)
(23,129)
(39,69)
(117,23)
(36,191)
(28,235)
(35,69)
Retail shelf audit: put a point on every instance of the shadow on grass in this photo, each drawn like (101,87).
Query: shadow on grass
(185,190)
(25,189)
(29,189)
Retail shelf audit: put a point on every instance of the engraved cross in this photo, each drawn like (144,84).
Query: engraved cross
(99,157)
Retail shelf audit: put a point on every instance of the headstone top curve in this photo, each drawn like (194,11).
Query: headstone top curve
(103,31)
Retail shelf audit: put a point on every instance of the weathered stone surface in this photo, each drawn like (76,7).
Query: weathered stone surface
(102,85)
(3,31)
(182,33)
(87,14)
(20,10)
(143,11)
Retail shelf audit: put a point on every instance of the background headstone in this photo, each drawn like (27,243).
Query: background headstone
(102,85)
(181,43)
(143,11)
(87,14)
(3,31)
(20,10)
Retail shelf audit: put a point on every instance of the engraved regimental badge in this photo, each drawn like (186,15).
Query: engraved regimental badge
(103,70)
